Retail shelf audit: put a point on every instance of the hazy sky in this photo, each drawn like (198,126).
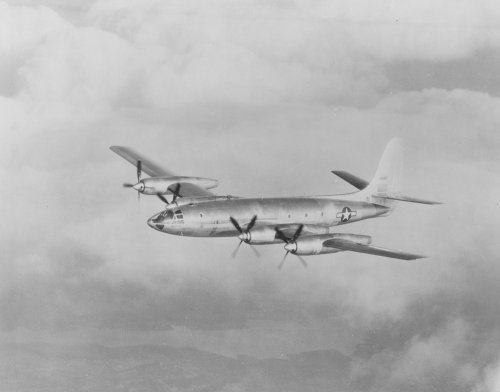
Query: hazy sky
(267,97)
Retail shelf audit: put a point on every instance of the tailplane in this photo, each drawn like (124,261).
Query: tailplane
(385,187)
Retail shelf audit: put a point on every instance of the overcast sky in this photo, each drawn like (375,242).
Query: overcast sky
(267,97)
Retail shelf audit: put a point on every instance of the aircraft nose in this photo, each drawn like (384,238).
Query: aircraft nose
(155,222)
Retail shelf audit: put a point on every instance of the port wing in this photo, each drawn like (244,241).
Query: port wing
(346,245)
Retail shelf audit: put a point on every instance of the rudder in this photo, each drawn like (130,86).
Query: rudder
(387,179)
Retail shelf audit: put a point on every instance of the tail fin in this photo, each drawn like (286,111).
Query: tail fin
(385,187)
(387,180)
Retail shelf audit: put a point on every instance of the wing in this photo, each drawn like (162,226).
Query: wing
(154,170)
(148,166)
(372,250)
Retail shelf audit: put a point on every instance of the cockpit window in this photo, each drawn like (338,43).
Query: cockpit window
(178,217)
(166,215)
(170,217)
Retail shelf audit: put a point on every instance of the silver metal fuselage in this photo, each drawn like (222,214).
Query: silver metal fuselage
(211,218)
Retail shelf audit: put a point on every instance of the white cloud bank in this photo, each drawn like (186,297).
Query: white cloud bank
(223,81)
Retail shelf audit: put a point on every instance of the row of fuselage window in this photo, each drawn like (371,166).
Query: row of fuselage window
(178,217)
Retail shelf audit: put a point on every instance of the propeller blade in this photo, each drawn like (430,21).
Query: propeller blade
(280,266)
(236,250)
(139,170)
(236,224)
(281,235)
(254,250)
(244,237)
(163,199)
(302,261)
(297,233)
(128,185)
(252,223)
(175,191)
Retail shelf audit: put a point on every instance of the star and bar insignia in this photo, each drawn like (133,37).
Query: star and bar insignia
(346,214)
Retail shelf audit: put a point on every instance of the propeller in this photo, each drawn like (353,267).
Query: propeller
(290,245)
(162,198)
(139,186)
(139,170)
(244,235)
(174,191)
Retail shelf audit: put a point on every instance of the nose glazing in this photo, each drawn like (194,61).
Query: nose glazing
(156,223)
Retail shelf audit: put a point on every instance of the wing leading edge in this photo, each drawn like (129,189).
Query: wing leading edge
(148,166)
(154,170)
(369,249)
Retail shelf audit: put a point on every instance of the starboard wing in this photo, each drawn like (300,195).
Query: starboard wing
(154,170)
(369,249)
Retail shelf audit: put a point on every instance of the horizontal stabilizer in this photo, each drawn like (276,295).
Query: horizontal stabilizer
(372,250)
(351,179)
(407,199)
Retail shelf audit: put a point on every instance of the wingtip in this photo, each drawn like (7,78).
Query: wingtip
(117,149)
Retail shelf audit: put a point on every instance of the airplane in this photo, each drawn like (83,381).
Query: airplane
(305,225)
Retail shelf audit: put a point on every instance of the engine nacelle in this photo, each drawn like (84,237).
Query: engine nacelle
(160,185)
(260,236)
(355,238)
(190,201)
(314,245)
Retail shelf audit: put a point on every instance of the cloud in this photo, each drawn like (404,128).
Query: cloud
(255,94)
(491,382)
(433,357)
(75,77)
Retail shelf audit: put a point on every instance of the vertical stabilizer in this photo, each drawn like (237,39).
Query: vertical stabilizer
(387,179)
